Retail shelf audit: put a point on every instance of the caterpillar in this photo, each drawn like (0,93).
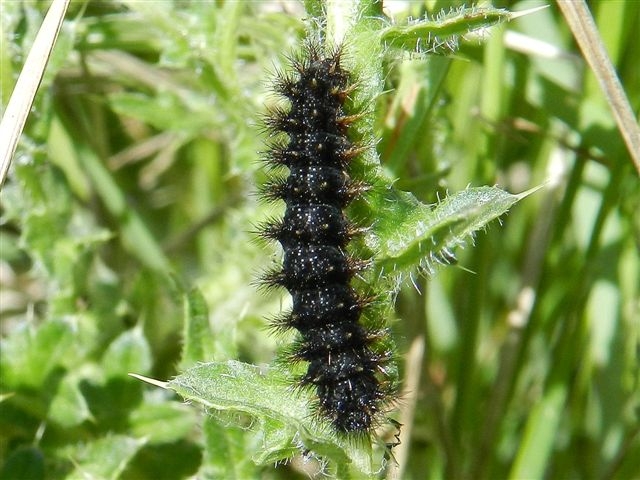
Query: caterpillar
(348,362)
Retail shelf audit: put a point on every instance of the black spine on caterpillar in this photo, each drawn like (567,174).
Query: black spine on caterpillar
(346,365)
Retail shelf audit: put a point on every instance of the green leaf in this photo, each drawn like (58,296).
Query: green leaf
(242,388)
(408,233)
(540,432)
(136,237)
(266,395)
(441,34)
(164,111)
(31,353)
(129,352)
(162,421)
(105,458)
(47,212)
(197,336)
(225,452)
(69,407)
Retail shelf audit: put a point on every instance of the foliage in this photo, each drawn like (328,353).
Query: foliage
(125,245)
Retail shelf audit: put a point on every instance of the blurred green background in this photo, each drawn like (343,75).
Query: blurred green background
(135,181)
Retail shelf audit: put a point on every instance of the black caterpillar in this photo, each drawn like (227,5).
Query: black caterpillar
(348,364)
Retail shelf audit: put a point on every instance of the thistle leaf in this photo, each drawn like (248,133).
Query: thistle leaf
(238,387)
(442,33)
(408,233)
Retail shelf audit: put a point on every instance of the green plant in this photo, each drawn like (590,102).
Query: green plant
(131,187)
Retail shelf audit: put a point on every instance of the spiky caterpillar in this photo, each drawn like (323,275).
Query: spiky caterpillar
(347,362)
